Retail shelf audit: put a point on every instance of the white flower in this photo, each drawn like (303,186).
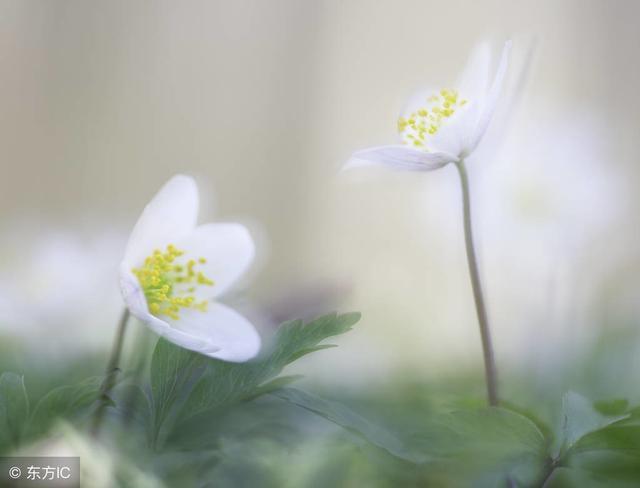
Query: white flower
(174,271)
(43,271)
(443,126)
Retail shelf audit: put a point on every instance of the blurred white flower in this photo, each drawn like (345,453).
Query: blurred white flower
(443,126)
(554,183)
(544,208)
(52,281)
(547,208)
(173,272)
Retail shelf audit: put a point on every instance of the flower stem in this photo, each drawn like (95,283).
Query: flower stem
(110,373)
(481,310)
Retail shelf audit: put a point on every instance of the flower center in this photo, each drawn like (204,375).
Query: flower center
(169,286)
(428,119)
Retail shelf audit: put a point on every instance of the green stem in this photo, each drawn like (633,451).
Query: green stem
(548,473)
(481,310)
(110,373)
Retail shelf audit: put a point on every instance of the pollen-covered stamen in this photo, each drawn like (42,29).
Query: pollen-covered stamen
(427,120)
(160,274)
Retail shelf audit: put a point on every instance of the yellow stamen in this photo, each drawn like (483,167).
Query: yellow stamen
(427,120)
(158,277)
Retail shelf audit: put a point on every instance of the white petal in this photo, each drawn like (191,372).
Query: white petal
(399,157)
(137,304)
(132,292)
(232,337)
(169,217)
(454,134)
(491,99)
(474,82)
(418,100)
(228,249)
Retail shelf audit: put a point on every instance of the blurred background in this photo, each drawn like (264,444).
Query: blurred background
(102,102)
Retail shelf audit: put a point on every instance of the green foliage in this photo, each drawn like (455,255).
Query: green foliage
(600,444)
(185,385)
(64,402)
(243,424)
(618,406)
(581,417)
(225,383)
(351,421)
(14,409)
(172,372)
(609,453)
(20,423)
(494,444)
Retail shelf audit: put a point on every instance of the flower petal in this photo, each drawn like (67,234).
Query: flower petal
(474,82)
(132,292)
(418,100)
(232,337)
(491,99)
(169,217)
(137,304)
(454,134)
(228,250)
(400,158)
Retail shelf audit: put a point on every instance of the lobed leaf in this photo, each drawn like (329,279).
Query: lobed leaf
(581,417)
(188,384)
(604,447)
(225,383)
(63,402)
(172,369)
(491,443)
(617,437)
(349,420)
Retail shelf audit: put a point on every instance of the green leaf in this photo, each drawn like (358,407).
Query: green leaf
(616,437)
(580,417)
(545,429)
(186,385)
(225,383)
(349,420)
(14,408)
(173,369)
(295,340)
(613,464)
(485,428)
(618,406)
(489,443)
(63,402)
(564,477)
(609,450)
(274,385)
